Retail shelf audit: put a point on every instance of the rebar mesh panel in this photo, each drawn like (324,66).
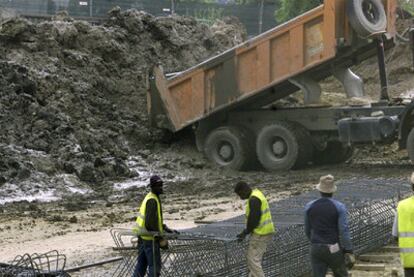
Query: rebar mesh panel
(211,250)
(48,264)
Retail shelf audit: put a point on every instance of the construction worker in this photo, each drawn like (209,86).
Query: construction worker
(403,229)
(259,226)
(326,225)
(150,219)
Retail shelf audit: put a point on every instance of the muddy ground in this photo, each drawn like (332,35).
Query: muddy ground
(80,230)
(75,130)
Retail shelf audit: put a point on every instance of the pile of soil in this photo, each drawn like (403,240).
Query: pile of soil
(73,95)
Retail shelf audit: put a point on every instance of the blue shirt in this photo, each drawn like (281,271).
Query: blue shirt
(326,222)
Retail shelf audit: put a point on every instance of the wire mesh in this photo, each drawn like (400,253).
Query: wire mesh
(126,243)
(211,250)
(35,265)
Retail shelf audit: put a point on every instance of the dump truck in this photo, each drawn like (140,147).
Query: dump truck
(228,99)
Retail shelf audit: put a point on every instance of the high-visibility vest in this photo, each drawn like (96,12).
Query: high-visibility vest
(265,226)
(405,212)
(140,228)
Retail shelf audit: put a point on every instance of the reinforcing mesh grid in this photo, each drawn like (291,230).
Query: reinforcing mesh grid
(211,250)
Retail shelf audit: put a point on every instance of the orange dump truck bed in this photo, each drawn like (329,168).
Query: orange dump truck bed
(257,72)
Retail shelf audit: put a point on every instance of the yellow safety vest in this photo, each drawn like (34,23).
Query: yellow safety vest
(405,212)
(265,226)
(140,229)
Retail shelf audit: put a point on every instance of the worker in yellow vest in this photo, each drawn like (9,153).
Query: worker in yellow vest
(259,226)
(404,229)
(150,229)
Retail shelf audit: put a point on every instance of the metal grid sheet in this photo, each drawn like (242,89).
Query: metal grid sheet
(51,263)
(211,250)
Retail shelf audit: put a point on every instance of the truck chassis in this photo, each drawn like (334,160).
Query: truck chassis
(288,138)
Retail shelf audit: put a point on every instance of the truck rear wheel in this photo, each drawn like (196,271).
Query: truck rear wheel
(283,146)
(228,147)
(367,16)
(334,153)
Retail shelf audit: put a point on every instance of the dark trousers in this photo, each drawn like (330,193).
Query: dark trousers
(409,272)
(148,257)
(322,259)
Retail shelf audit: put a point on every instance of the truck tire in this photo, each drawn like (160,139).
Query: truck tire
(283,146)
(367,16)
(410,145)
(334,153)
(228,147)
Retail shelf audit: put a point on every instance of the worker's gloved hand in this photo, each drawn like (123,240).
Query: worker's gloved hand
(163,243)
(241,236)
(349,260)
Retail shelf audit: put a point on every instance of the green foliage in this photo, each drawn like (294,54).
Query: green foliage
(237,2)
(198,1)
(244,2)
(289,8)
(407,5)
(208,15)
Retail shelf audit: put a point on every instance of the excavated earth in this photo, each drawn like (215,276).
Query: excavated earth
(75,144)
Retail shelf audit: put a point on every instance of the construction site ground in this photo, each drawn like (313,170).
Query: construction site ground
(83,236)
(76,134)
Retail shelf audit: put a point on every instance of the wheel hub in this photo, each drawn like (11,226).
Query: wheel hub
(226,152)
(279,148)
(370,12)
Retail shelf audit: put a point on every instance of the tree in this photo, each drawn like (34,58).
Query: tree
(289,9)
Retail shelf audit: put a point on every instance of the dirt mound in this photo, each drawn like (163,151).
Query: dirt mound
(73,94)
